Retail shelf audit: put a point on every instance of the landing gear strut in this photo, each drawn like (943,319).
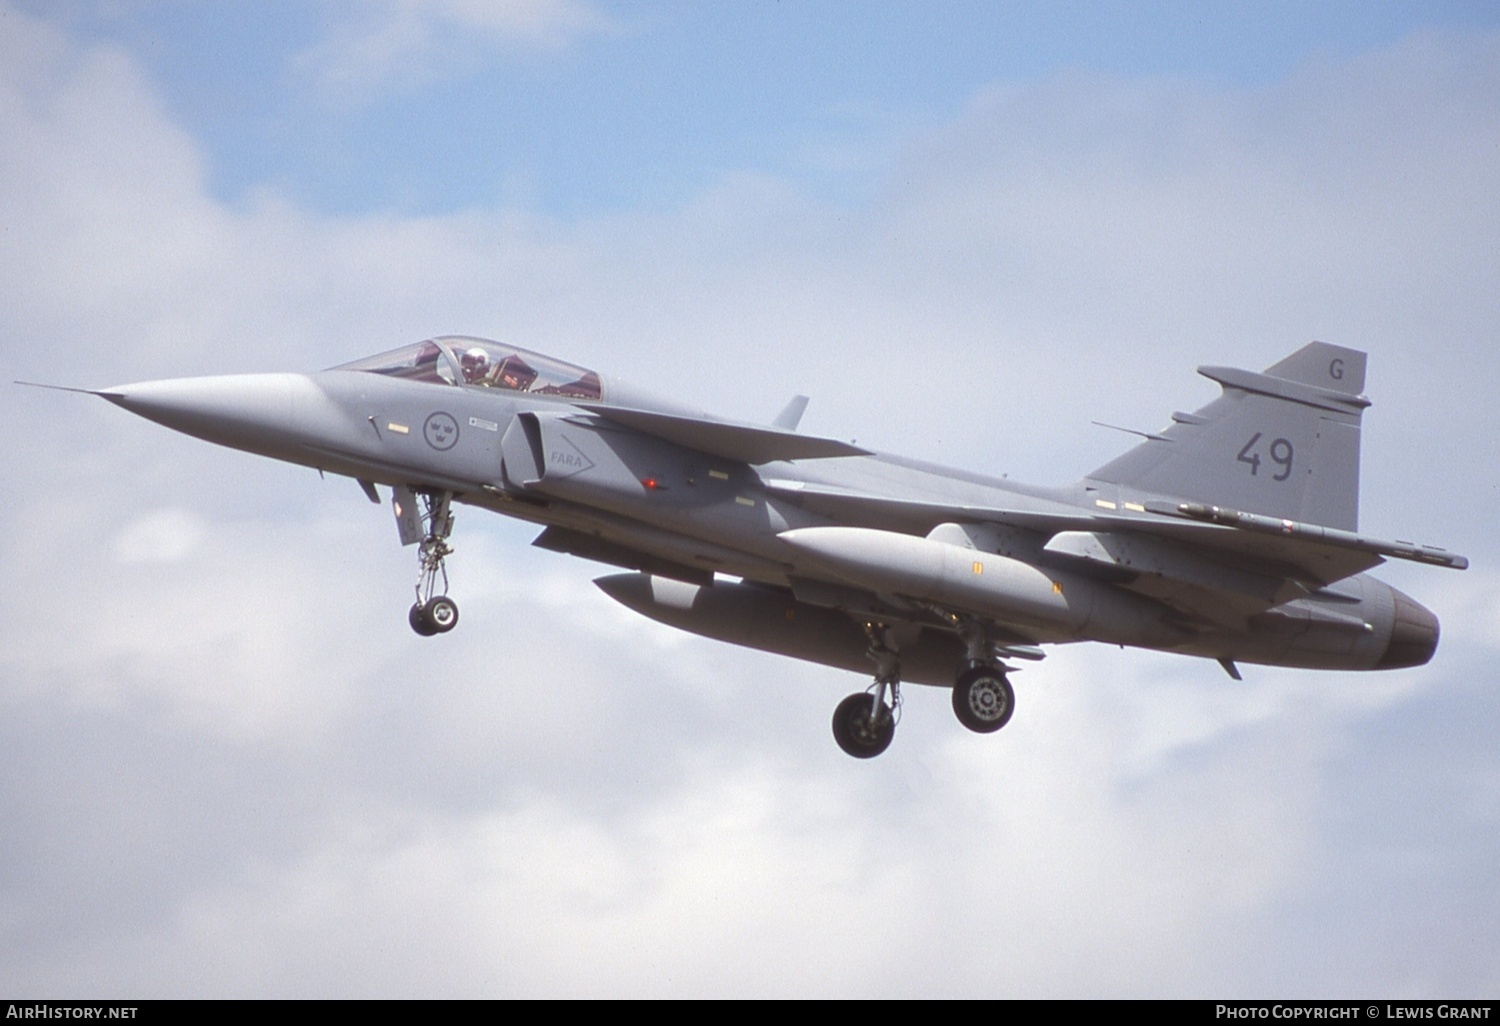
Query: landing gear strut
(865,723)
(434,612)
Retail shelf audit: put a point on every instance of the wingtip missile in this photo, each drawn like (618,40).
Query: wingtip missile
(1260,524)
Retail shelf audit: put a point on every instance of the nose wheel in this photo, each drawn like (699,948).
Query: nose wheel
(436,616)
(434,612)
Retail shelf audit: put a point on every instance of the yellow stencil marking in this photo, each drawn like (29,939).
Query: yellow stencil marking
(1057,587)
(978,567)
(400,429)
(1136,506)
(718,475)
(744,501)
(1105,504)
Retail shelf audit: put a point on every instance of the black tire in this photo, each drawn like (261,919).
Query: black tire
(854,732)
(442,613)
(983,699)
(419,622)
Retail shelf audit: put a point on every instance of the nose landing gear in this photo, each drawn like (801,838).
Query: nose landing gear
(434,612)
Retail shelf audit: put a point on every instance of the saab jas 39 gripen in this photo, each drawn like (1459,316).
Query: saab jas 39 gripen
(1231,534)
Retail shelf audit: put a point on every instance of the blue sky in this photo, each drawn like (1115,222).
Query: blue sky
(967,231)
(644,104)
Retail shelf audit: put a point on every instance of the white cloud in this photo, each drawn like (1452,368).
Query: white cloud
(749,878)
(386,41)
(164,536)
(547,22)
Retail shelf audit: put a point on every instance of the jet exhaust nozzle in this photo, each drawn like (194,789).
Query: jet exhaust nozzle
(1414,634)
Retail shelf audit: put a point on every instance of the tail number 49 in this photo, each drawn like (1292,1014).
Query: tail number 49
(1280,453)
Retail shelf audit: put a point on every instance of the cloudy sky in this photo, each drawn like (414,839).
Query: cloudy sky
(966,230)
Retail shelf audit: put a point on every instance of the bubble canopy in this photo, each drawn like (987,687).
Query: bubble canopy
(481,363)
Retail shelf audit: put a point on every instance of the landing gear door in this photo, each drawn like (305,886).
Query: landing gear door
(408,515)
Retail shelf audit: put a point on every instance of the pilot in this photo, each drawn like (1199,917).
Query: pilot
(475,362)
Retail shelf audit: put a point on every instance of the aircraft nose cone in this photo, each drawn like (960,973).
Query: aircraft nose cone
(1414,635)
(257,412)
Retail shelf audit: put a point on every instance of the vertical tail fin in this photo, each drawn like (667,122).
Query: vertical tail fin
(1284,443)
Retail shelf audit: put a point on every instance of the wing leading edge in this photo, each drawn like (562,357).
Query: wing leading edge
(747,443)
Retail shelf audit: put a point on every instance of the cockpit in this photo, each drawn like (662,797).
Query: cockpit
(480,363)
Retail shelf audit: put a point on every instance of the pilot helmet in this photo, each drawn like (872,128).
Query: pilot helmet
(474,363)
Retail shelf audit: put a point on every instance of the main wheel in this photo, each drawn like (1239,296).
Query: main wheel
(983,699)
(856,734)
(419,621)
(442,613)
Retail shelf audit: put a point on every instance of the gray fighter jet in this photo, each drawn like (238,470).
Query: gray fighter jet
(1231,534)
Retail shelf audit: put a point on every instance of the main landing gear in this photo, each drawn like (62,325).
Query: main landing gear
(865,723)
(983,699)
(434,612)
(982,696)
